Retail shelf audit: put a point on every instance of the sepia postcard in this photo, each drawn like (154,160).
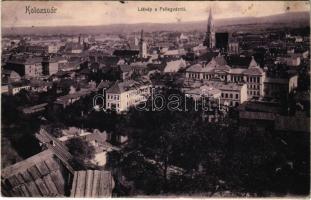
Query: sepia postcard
(169,99)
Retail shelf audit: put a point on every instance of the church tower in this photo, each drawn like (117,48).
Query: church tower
(142,46)
(209,40)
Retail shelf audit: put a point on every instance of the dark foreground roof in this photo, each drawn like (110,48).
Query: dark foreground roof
(39,175)
(92,183)
(292,123)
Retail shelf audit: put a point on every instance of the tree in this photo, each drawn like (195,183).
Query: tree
(80,149)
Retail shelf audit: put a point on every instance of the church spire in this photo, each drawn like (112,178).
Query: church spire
(142,46)
(142,35)
(209,40)
(209,21)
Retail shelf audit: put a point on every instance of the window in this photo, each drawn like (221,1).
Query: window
(222,95)
(236,96)
(231,95)
(226,95)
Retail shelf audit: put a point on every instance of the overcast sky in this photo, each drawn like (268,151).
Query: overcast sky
(98,13)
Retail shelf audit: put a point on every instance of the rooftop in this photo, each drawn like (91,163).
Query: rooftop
(120,87)
(92,183)
(39,175)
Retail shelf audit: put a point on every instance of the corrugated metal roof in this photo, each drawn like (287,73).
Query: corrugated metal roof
(92,183)
(39,175)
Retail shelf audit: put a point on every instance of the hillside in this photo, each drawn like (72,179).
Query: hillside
(291,19)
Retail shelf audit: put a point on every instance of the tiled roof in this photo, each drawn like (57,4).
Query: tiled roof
(114,89)
(25,61)
(223,68)
(195,68)
(64,99)
(253,63)
(236,71)
(39,175)
(120,87)
(254,71)
(92,183)
(103,84)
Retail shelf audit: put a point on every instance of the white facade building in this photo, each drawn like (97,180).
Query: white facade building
(123,95)
(254,76)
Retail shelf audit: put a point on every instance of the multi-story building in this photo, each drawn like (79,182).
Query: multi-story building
(275,87)
(31,66)
(51,65)
(229,94)
(232,94)
(254,76)
(123,95)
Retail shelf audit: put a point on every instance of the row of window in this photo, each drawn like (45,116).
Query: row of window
(253,87)
(194,75)
(226,95)
(236,78)
(112,104)
(113,97)
(255,93)
(253,79)
(233,78)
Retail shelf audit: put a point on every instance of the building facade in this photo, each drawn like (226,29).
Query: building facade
(253,77)
(31,66)
(123,95)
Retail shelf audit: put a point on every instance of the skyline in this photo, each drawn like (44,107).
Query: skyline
(106,13)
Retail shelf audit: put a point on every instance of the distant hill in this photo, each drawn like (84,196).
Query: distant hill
(290,19)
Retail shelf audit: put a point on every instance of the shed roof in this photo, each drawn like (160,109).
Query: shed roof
(92,183)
